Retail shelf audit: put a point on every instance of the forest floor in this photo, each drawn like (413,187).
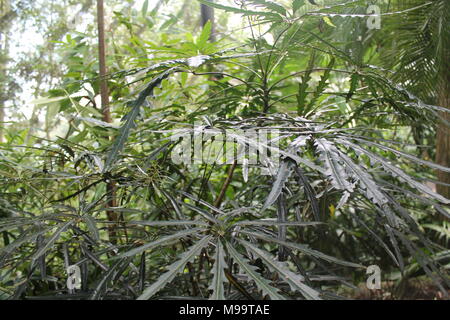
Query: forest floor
(412,289)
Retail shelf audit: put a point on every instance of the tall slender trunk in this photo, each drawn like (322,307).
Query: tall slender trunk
(104,93)
(207,14)
(443,137)
(4,9)
(443,131)
(3,89)
(4,82)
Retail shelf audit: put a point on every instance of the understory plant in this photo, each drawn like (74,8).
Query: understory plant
(347,191)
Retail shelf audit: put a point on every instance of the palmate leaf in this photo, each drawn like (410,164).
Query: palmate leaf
(124,132)
(96,122)
(175,268)
(321,86)
(262,283)
(302,248)
(277,223)
(205,35)
(166,64)
(168,223)
(395,245)
(295,281)
(368,185)
(303,86)
(202,212)
(131,117)
(23,238)
(163,241)
(329,155)
(283,174)
(174,204)
(282,230)
(92,226)
(397,172)
(297,4)
(310,193)
(50,242)
(93,257)
(16,222)
(425,262)
(403,154)
(218,271)
(413,195)
(267,15)
(270,5)
(243,140)
(377,238)
(202,202)
(108,276)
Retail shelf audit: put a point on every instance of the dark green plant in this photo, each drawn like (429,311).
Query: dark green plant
(346,195)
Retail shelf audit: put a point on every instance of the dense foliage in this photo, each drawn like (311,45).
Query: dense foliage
(352,187)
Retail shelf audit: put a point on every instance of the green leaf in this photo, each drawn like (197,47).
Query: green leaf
(297,4)
(206,204)
(321,85)
(262,283)
(275,223)
(371,188)
(145,8)
(242,11)
(295,281)
(97,122)
(174,204)
(404,154)
(52,111)
(202,212)
(44,101)
(283,174)
(204,36)
(63,227)
(303,86)
(310,192)
(218,271)
(304,249)
(108,276)
(92,226)
(353,86)
(24,238)
(124,132)
(130,118)
(270,5)
(164,241)
(168,223)
(175,268)
(397,172)
(328,22)
(329,155)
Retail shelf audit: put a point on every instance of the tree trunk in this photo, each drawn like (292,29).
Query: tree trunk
(207,14)
(443,131)
(443,139)
(104,93)
(4,10)
(3,55)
